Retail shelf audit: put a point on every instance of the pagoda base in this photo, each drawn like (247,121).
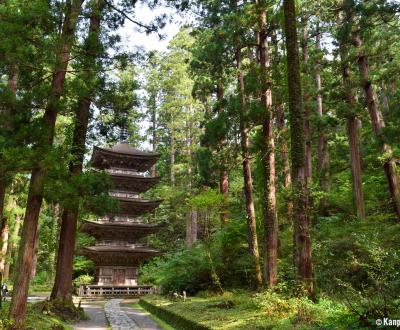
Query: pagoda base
(115,290)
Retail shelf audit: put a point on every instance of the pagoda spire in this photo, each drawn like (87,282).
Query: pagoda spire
(123,130)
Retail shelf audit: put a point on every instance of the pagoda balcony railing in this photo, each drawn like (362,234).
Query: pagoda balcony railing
(123,171)
(119,243)
(117,290)
(121,219)
(123,194)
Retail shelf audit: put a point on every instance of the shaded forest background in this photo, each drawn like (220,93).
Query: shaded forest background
(278,134)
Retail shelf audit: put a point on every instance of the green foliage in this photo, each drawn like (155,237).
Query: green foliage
(37,318)
(83,279)
(263,310)
(361,262)
(195,269)
(175,320)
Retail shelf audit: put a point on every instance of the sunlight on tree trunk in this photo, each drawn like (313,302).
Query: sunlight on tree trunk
(301,217)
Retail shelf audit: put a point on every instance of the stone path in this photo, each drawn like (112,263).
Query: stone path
(96,318)
(119,317)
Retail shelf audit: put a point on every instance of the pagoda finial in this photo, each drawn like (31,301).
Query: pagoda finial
(123,133)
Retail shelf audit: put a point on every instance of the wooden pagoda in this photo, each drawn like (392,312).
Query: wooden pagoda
(117,253)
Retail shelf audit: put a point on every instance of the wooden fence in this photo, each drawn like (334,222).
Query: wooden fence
(110,290)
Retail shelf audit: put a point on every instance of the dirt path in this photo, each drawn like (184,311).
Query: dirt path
(97,319)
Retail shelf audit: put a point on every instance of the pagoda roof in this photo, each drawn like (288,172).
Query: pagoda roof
(133,182)
(118,229)
(135,206)
(114,255)
(122,155)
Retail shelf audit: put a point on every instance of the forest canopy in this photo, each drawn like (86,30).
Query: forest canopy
(277,128)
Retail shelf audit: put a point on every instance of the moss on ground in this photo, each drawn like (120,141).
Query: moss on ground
(37,318)
(265,310)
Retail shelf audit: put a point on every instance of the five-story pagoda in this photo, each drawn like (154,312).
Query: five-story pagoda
(117,253)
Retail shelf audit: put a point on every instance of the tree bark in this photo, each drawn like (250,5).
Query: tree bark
(323,155)
(12,247)
(248,182)
(4,233)
(268,159)
(191,219)
(284,150)
(378,124)
(301,217)
(154,138)
(306,103)
(353,124)
(35,195)
(282,132)
(2,202)
(223,171)
(62,289)
(8,127)
(35,253)
(172,158)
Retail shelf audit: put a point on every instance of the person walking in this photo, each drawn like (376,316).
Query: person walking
(4,291)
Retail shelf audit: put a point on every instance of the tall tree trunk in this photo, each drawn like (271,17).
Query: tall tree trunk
(301,217)
(154,138)
(268,159)
(323,155)
(62,289)
(2,198)
(8,127)
(306,103)
(35,195)
(191,219)
(172,158)
(4,232)
(191,227)
(378,123)
(284,150)
(35,253)
(223,170)
(282,131)
(248,182)
(12,247)
(353,124)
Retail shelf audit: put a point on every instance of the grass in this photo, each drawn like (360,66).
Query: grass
(35,319)
(160,322)
(265,310)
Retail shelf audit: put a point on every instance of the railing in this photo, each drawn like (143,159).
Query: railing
(118,243)
(127,172)
(123,194)
(110,290)
(121,219)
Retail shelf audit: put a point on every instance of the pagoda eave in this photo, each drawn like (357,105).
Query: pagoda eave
(118,255)
(135,183)
(119,230)
(135,206)
(104,158)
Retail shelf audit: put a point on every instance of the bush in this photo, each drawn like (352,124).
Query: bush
(83,279)
(201,267)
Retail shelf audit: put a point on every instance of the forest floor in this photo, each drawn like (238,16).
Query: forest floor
(248,311)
